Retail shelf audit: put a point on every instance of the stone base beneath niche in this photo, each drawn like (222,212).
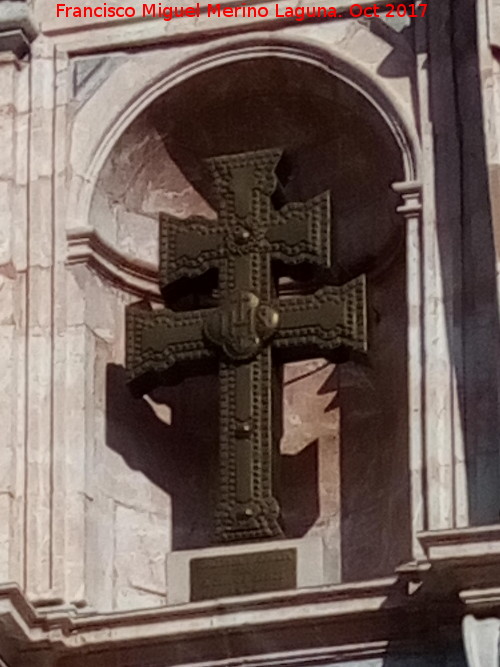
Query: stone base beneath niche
(301,561)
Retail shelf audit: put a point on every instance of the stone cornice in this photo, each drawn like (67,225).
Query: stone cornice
(311,626)
(17,27)
(283,621)
(86,246)
(494,23)
(72,627)
(297,627)
(462,544)
(411,194)
(72,36)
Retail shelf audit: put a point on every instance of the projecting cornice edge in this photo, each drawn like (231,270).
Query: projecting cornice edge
(411,196)
(66,631)
(420,597)
(17,27)
(86,246)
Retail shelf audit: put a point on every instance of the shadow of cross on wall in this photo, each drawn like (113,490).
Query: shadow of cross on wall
(250,246)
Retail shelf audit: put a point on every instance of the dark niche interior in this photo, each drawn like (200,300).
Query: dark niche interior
(332,140)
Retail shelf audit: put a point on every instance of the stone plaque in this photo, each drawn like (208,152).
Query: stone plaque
(243,574)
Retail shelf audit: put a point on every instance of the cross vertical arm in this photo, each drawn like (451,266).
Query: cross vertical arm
(246,509)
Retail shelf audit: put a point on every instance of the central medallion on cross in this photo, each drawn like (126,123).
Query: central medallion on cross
(242,325)
(250,246)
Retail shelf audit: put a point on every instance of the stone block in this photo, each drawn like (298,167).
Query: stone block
(140,542)
(310,563)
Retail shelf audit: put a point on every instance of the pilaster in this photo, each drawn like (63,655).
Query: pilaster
(411,211)
(442,361)
(40,329)
(17,30)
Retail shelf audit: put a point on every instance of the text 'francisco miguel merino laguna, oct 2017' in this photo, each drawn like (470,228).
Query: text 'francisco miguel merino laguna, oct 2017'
(167,13)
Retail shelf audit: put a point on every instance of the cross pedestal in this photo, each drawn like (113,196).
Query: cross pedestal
(243,569)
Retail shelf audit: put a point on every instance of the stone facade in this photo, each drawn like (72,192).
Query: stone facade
(390,467)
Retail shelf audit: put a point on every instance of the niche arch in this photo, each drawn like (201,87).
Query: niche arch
(335,392)
(90,156)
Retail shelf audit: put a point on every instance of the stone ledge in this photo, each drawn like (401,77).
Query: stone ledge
(458,544)
(17,28)
(479,598)
(52,25)
(308,626)
(183,628)
(81,36)
(338,621)
(309,552)
(85,246)
(494,23)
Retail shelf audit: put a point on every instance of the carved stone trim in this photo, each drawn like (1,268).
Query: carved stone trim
(17,28)
(383,608)
(86,246)
(411,194)
(462,543)
(493,21)
(481,598)
(65,633)
(94,155)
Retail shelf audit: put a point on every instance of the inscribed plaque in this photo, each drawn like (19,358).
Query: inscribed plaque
(243,574)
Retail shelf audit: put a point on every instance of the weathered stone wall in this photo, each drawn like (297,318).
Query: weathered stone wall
(111,485)
(14,122)
(336,481)
(105,137)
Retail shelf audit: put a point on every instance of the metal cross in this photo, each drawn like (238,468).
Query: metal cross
(249,322)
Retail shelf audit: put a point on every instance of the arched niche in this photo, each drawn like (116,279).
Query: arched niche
(344,464)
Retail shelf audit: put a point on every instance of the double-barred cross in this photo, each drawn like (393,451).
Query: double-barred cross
(248,324)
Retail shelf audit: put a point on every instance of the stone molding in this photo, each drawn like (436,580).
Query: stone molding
(90,157)
(86,246)
(493,17)
(66,632)
(462,543)
(332,611)
(148,30)
(345,621)
(17,27)
(411,194)
(482,600)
